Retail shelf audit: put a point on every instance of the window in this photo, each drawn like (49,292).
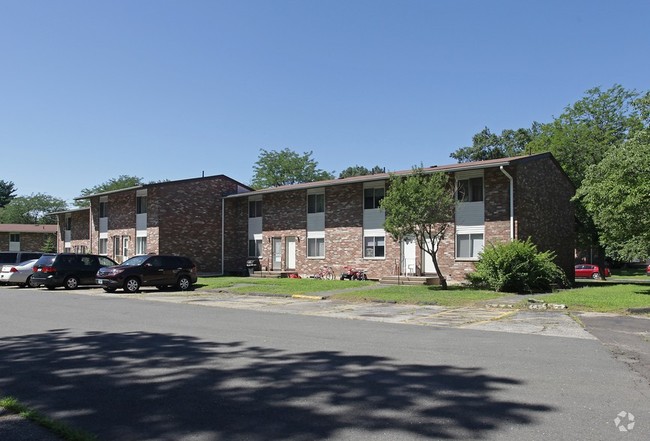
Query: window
(117,247)
(374,246)
(141,245)
(316,203)
(102,247)
(255,208)
(141,205)
(103,209)
(255,248)
(470,190)
(68,223)
(468,246)
(14,237)
(80,249)
(372,197)
(316,247)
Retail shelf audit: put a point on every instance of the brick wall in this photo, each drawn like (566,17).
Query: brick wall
(28,241)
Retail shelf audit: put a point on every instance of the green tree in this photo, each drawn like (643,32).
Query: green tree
(48,245)
(33,209)
(488,145)
(122,181)
(286,167)
(421,206)
(7,192)
(360,170)
(616,194)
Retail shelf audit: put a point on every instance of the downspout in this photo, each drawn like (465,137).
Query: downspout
(512,203)
(223,233)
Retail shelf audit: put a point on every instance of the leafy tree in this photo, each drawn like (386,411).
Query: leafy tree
(420,205)
(586,130)
(616,194)
(286,167)
(122,181)
(48,245)
(488,145)
(33,209)
(516,266)
(360,170)
(7,192)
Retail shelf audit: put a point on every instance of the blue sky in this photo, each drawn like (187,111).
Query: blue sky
(165,89)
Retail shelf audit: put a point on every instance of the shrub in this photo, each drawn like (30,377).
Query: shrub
(516,266)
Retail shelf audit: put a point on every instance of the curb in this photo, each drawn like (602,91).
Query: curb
(303,296)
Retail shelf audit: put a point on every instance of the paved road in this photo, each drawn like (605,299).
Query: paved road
(135,370)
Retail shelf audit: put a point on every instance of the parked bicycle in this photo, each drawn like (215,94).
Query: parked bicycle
(325,273)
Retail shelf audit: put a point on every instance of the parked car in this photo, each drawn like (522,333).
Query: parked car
(68,270)
(587,270)
(16,257)
(20,274)
(647,270)
(158,271)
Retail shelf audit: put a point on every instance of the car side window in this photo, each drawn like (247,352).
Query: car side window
(155,262)
(104,261)
(87,261)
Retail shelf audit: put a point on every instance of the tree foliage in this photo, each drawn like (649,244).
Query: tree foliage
(33,209)
(487,145)
(517,267)
(7,192)
(616,194)
(122,181)
(286,167)
(421,206)
(360,170)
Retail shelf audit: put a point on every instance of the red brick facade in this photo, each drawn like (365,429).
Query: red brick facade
(185,217)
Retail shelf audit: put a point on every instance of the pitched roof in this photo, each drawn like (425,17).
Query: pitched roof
(477,165)
(27,228)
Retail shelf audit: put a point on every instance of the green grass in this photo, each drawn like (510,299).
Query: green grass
(276,286)
(421,295)
(56,427)
(607,298)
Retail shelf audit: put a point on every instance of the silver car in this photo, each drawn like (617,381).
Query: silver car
(19,274)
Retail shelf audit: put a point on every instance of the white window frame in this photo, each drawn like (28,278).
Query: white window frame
(316,247)
(255,245)
(102,246)
(141,245)
(374,246)
(474,250)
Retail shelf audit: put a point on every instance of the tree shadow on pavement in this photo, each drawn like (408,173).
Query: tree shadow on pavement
(137,386)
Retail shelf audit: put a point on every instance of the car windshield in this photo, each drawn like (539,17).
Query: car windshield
(135,261)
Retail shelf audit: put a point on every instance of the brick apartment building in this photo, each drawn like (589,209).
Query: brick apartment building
(22,237)
(221,223)
(174,217)
(336,223)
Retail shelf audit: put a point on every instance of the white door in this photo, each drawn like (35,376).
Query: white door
(427,262)
(408,256)
(291,253)
(277,254)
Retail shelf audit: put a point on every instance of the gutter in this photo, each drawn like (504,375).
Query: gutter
(512,203)
(223,234)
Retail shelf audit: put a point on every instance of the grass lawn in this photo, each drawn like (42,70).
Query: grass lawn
(455,296)
(629,274)
(597,297)
(606,298)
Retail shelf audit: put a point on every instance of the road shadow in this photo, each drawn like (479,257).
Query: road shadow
(136,386)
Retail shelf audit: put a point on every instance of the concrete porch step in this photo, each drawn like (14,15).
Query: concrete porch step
(410,280)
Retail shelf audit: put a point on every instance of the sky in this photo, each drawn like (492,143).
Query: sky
(174,89)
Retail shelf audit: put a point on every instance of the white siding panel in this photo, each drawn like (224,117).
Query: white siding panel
(254,226)
(103,224)
(141,222)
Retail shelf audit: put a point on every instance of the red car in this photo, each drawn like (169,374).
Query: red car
(587,270)
(647,270)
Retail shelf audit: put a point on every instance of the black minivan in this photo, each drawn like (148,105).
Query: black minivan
(68,270)
(158,271)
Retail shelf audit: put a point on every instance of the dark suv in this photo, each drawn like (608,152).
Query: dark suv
(158,271)
(68,270)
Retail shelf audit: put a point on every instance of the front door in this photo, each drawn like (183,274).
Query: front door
(408,256)
(277,254)
(427,262)
(291,253)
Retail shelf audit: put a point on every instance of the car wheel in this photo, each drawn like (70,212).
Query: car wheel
(184,283)
(131,285)
(595,276)
(71,282)
(31,283)
(109,289)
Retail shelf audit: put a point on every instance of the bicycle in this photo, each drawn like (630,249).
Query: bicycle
(325,273)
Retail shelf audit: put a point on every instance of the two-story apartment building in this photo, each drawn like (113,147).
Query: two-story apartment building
(339,223)
(182,217)
(22,237)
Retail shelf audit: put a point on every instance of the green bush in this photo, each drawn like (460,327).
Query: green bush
(516,266)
